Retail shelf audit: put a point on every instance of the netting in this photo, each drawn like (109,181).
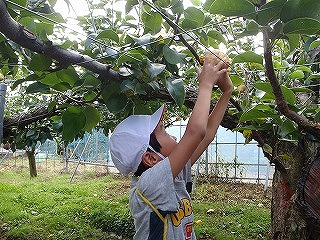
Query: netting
(92,148)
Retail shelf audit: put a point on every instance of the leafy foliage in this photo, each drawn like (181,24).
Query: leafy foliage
(140,45)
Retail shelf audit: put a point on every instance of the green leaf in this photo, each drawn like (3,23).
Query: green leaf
(111,88)
(133,85)
(230,8)
(302,26)
(194,14)
(91,82)
(90,95)
(252,29)
(177,7)
(154,69)
(22,3)
(57,123)
(313,76)
(114,99)
(294,9)
(189,24)
(130,56)
(111,52)
(287,93)
(152,22)
(32,78)
(270,12)
(130,4)
(314,44)
(52,2)
(217,36)
(50,79)
(108,34)
(143,40)
(294,40)
(61,87)
(43,29)
(92,117)
(73,120)
(139,89)
(40,62)
(298,89)
(38,87)
(236,80)
(171,55)
(259,112)
(196,2)
(287,127)
(304,69)
(248,57)
(176,90)
(298,74)
(68,75)
(247,134)
(116,102)
(52,105)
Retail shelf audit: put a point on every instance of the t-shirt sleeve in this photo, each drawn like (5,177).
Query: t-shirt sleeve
(157,185)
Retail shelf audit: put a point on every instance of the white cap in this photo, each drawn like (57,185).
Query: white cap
(130,140)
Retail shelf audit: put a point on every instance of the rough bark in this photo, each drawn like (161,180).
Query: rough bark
(288,221)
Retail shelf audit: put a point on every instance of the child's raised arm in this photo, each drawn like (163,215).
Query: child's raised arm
(198,121)
(215,116)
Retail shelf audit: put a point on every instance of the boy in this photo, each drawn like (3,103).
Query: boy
(159,202)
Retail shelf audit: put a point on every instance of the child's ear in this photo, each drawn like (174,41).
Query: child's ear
(149,159)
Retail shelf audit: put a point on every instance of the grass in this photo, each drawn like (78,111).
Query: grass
(95,206)
(237,211)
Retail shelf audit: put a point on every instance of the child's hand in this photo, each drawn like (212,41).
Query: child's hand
(225,83)
(211,72)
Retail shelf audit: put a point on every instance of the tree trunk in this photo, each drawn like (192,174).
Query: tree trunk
(289,222)
(32,162)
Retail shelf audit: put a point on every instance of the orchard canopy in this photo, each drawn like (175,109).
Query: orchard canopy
(69,76)
(65,81)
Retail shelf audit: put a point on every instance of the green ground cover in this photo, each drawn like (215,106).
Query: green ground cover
(95,206)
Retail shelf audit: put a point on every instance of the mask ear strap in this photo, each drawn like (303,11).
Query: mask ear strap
(159,154)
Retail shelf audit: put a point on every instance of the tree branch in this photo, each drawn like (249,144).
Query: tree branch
(25,38)
(303,123)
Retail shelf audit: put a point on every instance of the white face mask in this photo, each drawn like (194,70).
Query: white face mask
(159,154)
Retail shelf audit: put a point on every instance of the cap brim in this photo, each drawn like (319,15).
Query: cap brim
(156,117)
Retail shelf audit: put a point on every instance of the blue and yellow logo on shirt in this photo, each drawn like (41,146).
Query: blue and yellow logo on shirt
(185,210)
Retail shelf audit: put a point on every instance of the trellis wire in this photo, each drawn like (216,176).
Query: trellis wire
(118,52)
(62,25)
(247,71)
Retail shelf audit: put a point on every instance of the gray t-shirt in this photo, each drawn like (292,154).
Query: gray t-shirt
(169,196)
